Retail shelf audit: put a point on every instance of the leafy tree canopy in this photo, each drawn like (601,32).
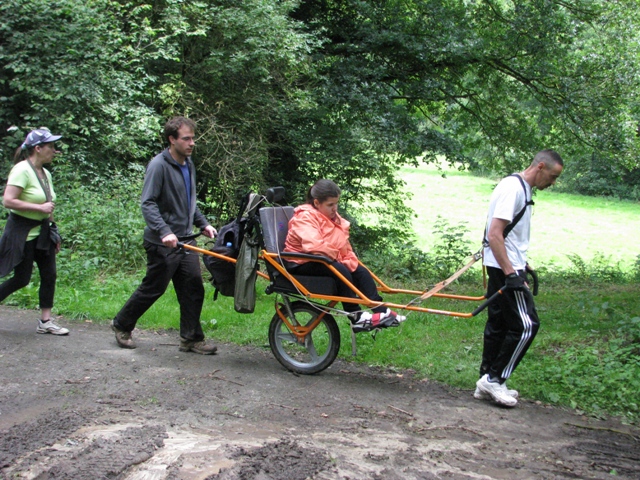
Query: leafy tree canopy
(69,65)
(487,82)
(285,92)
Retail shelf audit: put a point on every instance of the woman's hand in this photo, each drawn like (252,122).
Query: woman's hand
(47,207)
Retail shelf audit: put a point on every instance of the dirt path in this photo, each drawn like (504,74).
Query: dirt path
(79,407)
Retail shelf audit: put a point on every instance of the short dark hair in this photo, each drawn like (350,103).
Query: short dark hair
(321,190)
(176,123)
(548,157)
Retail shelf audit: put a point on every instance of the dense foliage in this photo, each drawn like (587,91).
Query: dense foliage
(284,92)
(71,66)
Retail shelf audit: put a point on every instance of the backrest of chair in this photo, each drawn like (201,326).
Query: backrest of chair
(275,225)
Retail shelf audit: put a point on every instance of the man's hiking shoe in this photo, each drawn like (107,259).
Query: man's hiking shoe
(368,321)
(51,327)
(480,395)
(201,347)
(123,338)
(497,392)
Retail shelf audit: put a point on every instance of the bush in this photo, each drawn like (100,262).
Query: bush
(600,375)
(400,259)
(599,176)
(597,270)
(451,248)
(101,224)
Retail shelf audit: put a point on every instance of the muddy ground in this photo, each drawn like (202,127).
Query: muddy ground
(79,407)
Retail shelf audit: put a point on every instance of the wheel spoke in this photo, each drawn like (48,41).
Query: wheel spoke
(287,336)
(311,348)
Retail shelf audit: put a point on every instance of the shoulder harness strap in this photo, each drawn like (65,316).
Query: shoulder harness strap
(518,216)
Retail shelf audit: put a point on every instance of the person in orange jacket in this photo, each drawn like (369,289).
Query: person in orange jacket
(317,228)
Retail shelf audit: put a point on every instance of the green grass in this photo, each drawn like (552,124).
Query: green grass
(562,223)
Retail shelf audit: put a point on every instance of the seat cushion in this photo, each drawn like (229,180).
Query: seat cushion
(316,285)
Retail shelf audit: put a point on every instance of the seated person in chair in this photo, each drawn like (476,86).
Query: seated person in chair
(317,228)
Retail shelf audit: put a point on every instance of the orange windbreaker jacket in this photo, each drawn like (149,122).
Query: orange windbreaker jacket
(312,232)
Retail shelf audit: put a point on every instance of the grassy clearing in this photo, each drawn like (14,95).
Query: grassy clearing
(562,223)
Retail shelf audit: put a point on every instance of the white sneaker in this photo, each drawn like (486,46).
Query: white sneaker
(51,327)
(497,392)
(400,318)
(368,321)
(480,395)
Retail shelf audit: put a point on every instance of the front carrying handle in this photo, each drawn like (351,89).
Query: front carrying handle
(184,239)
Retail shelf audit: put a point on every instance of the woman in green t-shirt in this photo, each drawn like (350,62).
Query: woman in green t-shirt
(28,236)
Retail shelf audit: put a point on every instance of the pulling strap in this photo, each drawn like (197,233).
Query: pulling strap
(436,288)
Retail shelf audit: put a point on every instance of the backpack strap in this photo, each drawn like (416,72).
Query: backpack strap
(518,216)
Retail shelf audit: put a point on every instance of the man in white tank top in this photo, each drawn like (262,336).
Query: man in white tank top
(512,319)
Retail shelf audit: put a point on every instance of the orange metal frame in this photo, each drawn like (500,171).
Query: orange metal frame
(273,259)
(217,255)
(301,331)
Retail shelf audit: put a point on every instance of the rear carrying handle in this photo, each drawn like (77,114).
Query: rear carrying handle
(488,302)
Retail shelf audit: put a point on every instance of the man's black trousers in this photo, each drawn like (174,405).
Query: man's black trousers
(163,266)
(511,327)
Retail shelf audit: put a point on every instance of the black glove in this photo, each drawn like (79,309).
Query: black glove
(514,281)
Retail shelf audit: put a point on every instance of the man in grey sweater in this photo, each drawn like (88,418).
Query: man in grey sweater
(169,210)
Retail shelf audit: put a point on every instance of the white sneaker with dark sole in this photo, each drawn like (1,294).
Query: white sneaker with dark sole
(497,392)
(480,395)
(51,327)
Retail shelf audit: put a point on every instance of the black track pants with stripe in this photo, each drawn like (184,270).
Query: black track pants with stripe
(511,327)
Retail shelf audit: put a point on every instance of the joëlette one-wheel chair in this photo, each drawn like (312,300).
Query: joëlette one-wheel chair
(303,333)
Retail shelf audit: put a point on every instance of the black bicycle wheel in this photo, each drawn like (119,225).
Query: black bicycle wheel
(316,351)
